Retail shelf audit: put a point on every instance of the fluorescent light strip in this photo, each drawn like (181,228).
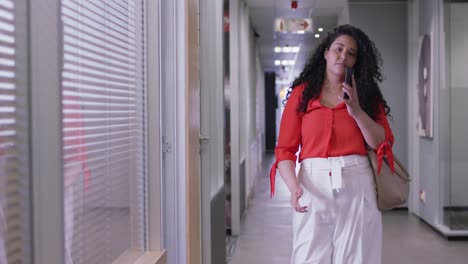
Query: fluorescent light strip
(287,49)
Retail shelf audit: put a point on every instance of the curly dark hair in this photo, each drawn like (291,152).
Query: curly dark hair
(366,71)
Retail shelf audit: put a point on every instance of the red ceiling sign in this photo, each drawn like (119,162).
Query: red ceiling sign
(294,4)
(293,25)
(226,20)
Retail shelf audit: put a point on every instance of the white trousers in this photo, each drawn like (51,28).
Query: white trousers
(343,224)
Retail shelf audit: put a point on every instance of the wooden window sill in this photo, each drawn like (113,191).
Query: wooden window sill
(139,257)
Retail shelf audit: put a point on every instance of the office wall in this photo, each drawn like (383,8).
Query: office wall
(244,102)
(391,40)
(428,159)
(431,162)
(260,108)
(251,115)
(428,164)
(251,75)
(234,81)
(245,76)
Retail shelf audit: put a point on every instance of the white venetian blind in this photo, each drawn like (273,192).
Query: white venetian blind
(104,152)
(14,187)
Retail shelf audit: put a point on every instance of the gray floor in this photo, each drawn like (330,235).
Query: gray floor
(266,234)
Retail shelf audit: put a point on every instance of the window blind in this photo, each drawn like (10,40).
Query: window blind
(104,145)
(14,183)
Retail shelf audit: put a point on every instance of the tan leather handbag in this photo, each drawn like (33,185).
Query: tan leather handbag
(391,184)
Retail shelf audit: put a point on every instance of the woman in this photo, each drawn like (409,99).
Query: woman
(336,219)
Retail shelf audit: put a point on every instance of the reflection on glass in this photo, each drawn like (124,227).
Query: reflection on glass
(227,118)
(453,108)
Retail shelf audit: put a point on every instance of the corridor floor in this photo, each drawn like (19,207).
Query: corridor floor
(266,233)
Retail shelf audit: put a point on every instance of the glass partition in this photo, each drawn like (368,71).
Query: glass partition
(454,124)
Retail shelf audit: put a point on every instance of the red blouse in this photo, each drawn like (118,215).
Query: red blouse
(320,131)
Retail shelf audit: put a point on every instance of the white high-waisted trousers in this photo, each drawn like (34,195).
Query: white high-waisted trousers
(343,224)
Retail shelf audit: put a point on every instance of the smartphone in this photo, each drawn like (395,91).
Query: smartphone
(348,80)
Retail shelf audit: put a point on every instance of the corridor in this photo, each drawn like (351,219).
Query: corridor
(141,131)
(266,235)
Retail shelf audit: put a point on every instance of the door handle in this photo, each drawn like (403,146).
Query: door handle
(204,138)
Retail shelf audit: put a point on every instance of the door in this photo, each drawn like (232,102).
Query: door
(212,132)
(180,104)
(192,164)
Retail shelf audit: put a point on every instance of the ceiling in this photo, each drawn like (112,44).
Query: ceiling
(324,13)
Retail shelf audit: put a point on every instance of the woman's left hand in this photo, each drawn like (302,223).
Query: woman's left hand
(352,104)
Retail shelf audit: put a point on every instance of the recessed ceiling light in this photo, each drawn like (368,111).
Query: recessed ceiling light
(300,32)
(286,49)
(295,49)
(277,49)
(317,36)
(277,62)
(320,29)
(284,62)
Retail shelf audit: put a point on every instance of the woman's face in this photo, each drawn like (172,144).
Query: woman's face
(342,52)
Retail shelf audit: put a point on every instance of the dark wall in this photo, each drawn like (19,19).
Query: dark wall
(242,188)
(270,111)
(218,228)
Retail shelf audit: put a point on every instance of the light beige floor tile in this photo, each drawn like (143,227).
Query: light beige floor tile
(266,233)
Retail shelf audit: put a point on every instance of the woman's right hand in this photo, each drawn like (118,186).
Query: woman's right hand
(295,195)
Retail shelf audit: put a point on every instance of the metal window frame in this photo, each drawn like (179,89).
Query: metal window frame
(22,87)
(153,80)
(173,130)
(46,144)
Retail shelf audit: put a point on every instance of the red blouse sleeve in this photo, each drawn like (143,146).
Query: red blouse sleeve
(385,149)
(382,120)
(289,137)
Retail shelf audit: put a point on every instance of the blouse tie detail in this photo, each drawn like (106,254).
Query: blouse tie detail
(272,178)
(385,149)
